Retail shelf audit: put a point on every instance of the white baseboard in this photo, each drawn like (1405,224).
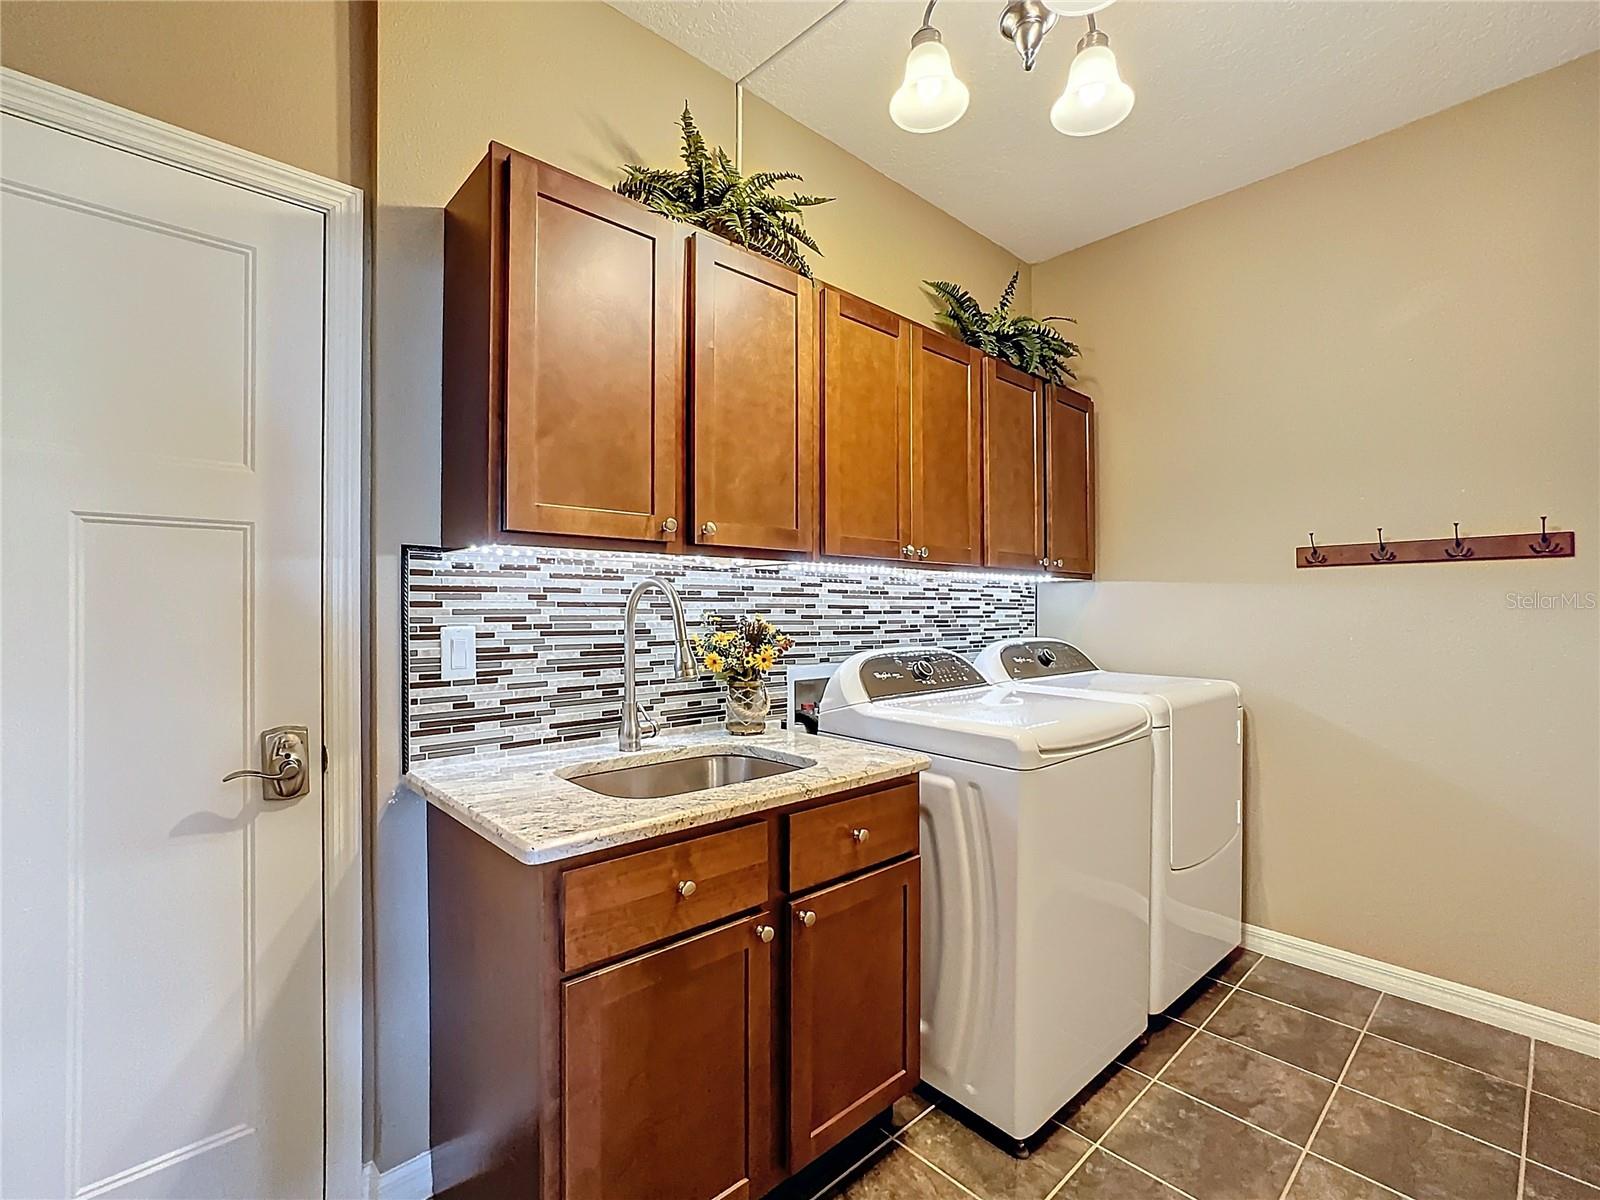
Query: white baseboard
(411,1180)
(1558,1029)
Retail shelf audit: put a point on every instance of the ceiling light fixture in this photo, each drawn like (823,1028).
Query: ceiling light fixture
(1095,98)
(931,98)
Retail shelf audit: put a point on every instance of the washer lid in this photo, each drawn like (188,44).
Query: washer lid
(999,725)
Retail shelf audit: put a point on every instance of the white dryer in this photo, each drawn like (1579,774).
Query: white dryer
(1197,805)
(1035,875)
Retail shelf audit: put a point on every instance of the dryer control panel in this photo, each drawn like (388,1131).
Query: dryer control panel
(1041,657)
(915,673)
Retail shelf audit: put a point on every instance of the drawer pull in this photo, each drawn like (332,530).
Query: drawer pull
(807,917)
(766,933)
(859,836)
(686,888)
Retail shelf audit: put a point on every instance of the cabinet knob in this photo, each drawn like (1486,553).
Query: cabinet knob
(1045,563)
(686,888)
(766,933)
(859,836)
(708,529)
(908,551)
(670,525)
(1058,564)
(807,917)
(922,552)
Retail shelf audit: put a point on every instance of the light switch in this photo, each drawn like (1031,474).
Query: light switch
(458,652)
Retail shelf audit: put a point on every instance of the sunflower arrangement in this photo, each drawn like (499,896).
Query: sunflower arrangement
(741,651)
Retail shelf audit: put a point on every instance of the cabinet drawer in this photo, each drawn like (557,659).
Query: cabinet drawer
(833,840)
(612,907)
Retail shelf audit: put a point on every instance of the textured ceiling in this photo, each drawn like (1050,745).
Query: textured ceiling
(1229,92)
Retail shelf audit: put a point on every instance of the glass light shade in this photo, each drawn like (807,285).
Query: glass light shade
(1095,98)
(1076,8)
(931,98)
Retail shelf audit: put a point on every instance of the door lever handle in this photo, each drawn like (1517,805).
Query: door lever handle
(283,748)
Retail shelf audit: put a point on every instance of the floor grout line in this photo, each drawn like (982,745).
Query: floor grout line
(1283,1062)
(1149,1174)
(1447,1058)
(1328,1103)
(1150,1082)
(1544,1166)
(1278,1137)
(834,1182)
(1355,1091)
(1527,1109)
(938,1170)
(1352,1171)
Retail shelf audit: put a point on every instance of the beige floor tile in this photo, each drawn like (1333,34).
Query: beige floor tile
(1104,1177)
(1091,1112)
(1565,1137)
(1543,1184)
(1567,1075)
(979,1164)
(1318,1180)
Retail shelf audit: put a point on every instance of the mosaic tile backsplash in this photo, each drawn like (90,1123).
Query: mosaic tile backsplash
(550,634)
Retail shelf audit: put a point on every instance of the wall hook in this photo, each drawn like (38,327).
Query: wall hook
(1382,553)
(1316,557)
(1458,551)
(1544,545)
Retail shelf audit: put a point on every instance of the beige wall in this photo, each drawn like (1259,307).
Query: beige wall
(292,81)
(1401,334)
(579,85)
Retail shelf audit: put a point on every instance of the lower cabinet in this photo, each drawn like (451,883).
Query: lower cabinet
(854,1004)
(668,1082)
(694,1017)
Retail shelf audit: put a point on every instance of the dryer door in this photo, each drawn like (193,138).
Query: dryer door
(1207,776)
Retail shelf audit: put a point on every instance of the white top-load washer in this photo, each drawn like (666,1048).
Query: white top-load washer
(1035,875)
(1197,833)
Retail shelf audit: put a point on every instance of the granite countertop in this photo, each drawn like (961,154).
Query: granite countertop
(525,802)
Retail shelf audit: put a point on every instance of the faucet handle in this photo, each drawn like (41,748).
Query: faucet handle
(650,728)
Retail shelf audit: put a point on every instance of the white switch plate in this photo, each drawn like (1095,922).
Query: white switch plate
(458,652)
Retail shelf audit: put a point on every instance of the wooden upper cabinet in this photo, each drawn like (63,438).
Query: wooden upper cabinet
(946,449)
(563,360)
(1013,467)
(753,401)
(866,385)
(854,1005)
(594,381)
(667,1089)
(1069,481)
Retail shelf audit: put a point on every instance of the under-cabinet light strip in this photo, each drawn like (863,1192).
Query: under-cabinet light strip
(833,567)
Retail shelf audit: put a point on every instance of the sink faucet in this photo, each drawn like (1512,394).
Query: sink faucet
(628,734)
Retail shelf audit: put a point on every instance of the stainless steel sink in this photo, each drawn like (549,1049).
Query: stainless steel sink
(676,776)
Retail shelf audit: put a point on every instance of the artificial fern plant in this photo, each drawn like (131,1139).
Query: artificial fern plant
(711,193)
(1028,343)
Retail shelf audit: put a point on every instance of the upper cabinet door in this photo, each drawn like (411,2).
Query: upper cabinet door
(1013,467)
(753,403)
(593,360)
(1069,488)
(946,449)
(866,494)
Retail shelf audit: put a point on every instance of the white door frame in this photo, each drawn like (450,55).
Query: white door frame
(343,552)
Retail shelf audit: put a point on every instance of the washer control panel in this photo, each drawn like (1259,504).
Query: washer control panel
(916,672)
(1041,657)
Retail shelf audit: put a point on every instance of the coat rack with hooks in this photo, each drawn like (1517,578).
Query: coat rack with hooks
(1543,544)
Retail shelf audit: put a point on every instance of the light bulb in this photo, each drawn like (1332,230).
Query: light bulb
(1076,8)
(1095,98)
(931,98)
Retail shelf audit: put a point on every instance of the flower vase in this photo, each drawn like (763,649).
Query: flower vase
(748,706)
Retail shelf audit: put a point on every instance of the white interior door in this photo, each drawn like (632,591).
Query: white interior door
(161,1021)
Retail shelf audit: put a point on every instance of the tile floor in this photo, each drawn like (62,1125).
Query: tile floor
(1270,1082)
